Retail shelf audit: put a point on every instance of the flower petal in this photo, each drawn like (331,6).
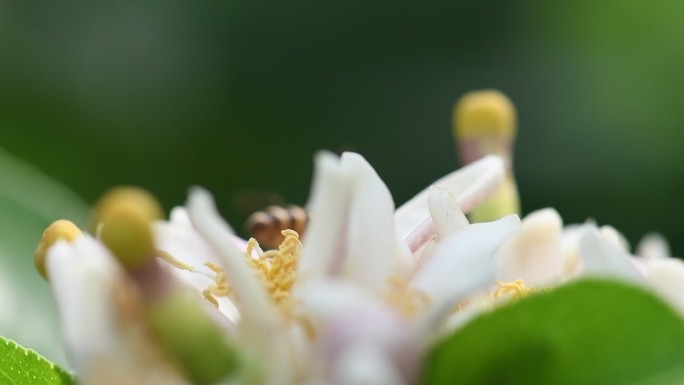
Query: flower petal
(534,255)
(364,363)
(324,244)
(445,212)
(371,239)
(601,257)
(653,246)
(666,277)
(262,326)
(343,315)
(471,185)
(103,319)
(183,243)
(461,264)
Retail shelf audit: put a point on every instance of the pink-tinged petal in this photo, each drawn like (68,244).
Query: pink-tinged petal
(255,305)
(471,185)
(460,265)
(653,246)
(445,212)
(371,239)
(534,255)
(601,257)
(79,281)
(261,325)
(343,315)
(364,363)
(325,243)
(103,319)
(181,241)
(445,219)
(666,277)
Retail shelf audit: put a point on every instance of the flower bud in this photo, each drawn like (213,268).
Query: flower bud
(484,123)
(122,220)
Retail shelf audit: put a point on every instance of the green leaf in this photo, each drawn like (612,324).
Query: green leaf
(587,332)
(29,202)
(20,366)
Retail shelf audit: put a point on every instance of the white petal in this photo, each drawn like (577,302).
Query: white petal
(471,185)
(613,236)
(255,305)
(184,243)
(344,315)
(261,324)
(602,258)
(324,244)
(371,239)
(570,240)
(461,264)
(363,363)
(666,276)
(653,246)
(102,318)
(82,285)
(326,300)
(179,217)
(444,211)
(534,255)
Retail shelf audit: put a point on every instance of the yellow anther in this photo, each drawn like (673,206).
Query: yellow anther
(122,219)
(278,269)
(517,289)
(61,229)
(214,267)
(173,261)
(207,294)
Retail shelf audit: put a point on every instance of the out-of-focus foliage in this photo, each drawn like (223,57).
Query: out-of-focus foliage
(236,96)
(587,332)
(28,203)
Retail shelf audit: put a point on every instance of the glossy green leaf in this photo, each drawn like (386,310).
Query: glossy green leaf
(20,366)
(29,201)
(588,332)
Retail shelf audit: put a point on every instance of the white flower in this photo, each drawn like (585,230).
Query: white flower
(369,291)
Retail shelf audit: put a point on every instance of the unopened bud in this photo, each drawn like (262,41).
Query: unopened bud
(122,220)
(484,123)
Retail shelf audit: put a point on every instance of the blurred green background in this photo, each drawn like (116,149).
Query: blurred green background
(237,96)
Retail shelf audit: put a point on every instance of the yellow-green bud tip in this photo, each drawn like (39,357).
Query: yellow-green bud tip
(122,219)
(486,113)
(61,229)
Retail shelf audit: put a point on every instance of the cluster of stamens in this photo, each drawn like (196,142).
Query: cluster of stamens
(404,298)
(516,289)
(278,268)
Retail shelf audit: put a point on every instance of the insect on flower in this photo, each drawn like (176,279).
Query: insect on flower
(266,226)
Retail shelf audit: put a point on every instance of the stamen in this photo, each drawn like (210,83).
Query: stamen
(61,229)
(408,300)
(221,286)
(173,261)
(517,289)
(278,269)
